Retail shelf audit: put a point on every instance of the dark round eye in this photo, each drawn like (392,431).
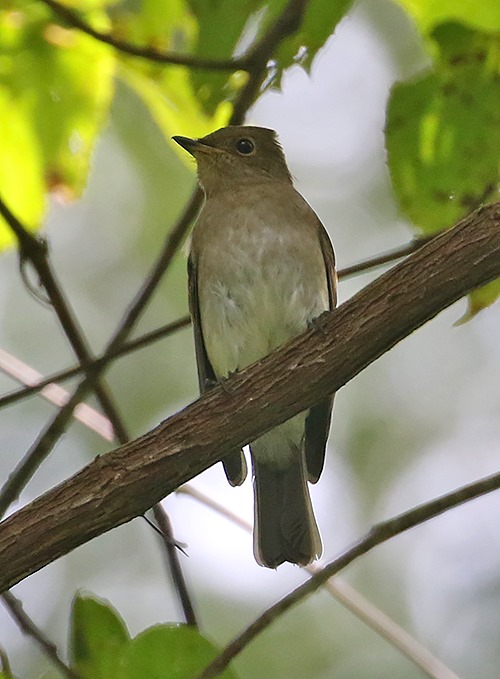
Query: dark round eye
(245,147)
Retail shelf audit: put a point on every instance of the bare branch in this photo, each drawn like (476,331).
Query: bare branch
(351,599)
(171,548)
(40,383)
(123,484)
(36,251)
(379,534)
(26,625)
(72,19)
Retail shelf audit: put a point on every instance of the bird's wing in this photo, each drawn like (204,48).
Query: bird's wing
(234,464)
(319,416)
(206,375)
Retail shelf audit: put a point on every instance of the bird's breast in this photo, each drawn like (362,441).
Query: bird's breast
(259,283)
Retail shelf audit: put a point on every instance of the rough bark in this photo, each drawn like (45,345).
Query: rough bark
(121,485)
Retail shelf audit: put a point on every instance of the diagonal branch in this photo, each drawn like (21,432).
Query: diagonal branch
(380,533)
(352,600)
(121,485)
(72,19)
(35,250)
(26,625)
(263,50)
(164,331)
(39,384)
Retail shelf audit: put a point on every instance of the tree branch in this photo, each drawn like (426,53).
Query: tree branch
(352,600)
(26,625)
(121,485)
(380,533)
(72,19)
(168,329)
(35,250)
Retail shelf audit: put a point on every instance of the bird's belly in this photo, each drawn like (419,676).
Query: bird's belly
(255,304)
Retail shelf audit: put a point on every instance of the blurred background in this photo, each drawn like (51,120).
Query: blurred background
(422,420)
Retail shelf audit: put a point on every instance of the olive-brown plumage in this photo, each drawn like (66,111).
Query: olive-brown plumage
(261,268)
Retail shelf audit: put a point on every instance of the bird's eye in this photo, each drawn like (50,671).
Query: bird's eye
(245,147)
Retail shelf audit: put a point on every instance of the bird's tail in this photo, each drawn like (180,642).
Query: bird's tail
(285,528)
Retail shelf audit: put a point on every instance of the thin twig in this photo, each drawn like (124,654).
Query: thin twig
(26,625)
(5,664)
(385,257)
(351,599)
(36,251)
(284,25)
(54,393)
(168,329)
(150,53)
(377,535)
(61,376)
(171,548)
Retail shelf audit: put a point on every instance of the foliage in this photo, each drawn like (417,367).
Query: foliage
(101,647)
(57,86)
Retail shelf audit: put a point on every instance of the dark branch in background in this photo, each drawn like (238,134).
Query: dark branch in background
(351,599)
(34,250)
(26,625)
(124,483)
(168,329)
(384,257)
(380,533)
(44,444)
(127,348)
(72,19)
(285,25)
(172,549)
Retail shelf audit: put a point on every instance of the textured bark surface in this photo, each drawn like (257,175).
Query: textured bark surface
(124,483)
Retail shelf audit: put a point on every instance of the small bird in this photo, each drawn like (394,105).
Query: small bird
(261,269)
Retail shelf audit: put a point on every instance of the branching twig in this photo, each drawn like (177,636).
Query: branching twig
(286,24)
(124,483)
(353,601)
(163,521)
(55,394)
(166,330)
(379,534)
(26,625)
(72,19)
(126,348)
(35,250)
(290,17)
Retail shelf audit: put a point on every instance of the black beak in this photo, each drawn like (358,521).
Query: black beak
(187,143)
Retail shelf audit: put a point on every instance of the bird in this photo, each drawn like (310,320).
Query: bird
(261,269)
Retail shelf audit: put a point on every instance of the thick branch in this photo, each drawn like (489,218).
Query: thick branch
(121,485)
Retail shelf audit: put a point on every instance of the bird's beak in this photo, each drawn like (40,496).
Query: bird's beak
(193,146)
(187,143)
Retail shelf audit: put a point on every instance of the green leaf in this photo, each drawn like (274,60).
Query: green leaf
(480,299)
(320,20)
(484,15)
(58,84)
(22,184)
(98,638)
(220,27)
(173,104)
(443,131)
(169,652)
